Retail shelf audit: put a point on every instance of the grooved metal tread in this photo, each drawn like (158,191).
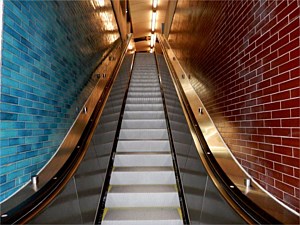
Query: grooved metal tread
(143,187)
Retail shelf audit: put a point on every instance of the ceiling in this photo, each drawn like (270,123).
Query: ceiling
(141,14)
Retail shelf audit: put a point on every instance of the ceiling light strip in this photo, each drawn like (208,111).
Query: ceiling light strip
(155,2)
(153,21)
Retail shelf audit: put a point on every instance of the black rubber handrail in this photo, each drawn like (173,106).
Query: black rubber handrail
(245,207)
(26,210)
(185,215)
(105,186)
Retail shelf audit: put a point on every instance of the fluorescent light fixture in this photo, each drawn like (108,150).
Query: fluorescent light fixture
(153,21)
(154,4)
(97,3)
(152,41)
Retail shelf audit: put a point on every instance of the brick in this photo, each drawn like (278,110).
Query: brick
(266,179)
(281,96)
(289,47)
(296,132)
(283,150)
(295,83)
(284,187)
(272,106)
(289,65)
(285,13)
(292,26)
(271,73)
(278,60)
(272,123)
(275,174)
(291,103)
(273,157)
(281,114)
(284,169)
(295,142)
(290,122)
(291,180)
(280,78)
(271,89)
(290,161)
(276,192)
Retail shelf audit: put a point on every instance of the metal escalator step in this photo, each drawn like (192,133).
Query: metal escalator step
(122,160)
(144,107)
(144,124)
(144,199)
(144,94)
(132,100)
(148,89)
(144,115)
(143,146)
(144,84)
(136,176)
(144,134)
(142,216)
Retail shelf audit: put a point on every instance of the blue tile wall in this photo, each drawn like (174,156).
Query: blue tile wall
(49,51)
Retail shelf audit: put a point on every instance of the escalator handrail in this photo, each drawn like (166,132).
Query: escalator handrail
(28,209)
(185,215)
(105,187)
(246,208)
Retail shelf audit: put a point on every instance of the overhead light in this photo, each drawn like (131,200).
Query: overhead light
(97,3)
(152,41)
(155,4)
(153,21)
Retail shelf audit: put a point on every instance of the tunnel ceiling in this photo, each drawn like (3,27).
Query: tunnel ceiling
(141,12)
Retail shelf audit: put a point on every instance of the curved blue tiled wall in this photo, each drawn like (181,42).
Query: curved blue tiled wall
(49,51)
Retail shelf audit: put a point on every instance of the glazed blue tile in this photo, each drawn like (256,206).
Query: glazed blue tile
(2,179)
(10,65)
(25,117)
(24,148)
(10,31)
(15,174)
(16,141)
(4,143)
(23,163)
(9,99)
(10,82)
(10,48)
(31,154)
(25,102)
(8,134)
(8,116)
(7,168)
(18,93)
(20,46)
(6,186)
(8,13)
(8,151)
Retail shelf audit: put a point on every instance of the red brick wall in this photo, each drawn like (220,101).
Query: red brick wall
(245,56)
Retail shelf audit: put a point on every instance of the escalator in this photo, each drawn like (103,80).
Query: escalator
(131,165)
(142,165)
(142,188)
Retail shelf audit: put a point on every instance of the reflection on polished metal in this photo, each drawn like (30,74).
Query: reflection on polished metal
(35,179)
(247,182)
(222,154)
